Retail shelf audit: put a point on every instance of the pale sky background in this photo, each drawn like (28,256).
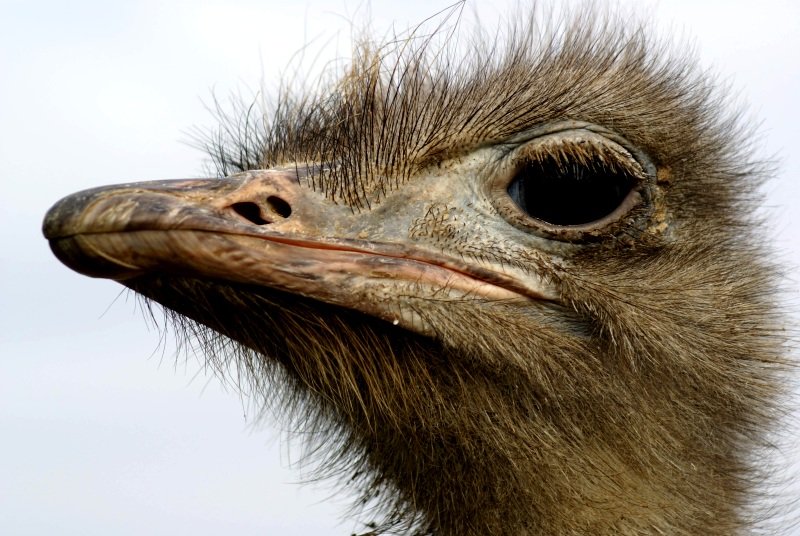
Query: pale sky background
(100,432)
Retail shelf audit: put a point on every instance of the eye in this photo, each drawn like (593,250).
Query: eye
(571,181)
(569,193)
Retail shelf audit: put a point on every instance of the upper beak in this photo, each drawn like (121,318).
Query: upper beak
(263,228)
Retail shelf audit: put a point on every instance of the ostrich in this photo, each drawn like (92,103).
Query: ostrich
(519,293)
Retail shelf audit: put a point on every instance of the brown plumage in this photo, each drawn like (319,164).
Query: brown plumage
(518,291)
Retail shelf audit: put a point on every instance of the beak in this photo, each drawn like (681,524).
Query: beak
(262,228)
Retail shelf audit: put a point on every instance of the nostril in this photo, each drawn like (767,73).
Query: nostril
(249,211)
(279,206)
(272,210)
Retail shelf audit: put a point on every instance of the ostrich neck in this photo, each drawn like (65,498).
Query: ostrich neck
(530,467)
(465,484)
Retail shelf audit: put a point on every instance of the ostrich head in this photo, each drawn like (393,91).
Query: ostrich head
(519,293)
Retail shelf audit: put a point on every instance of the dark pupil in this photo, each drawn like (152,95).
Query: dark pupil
(562,193)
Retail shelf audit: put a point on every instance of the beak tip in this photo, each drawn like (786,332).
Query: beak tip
(54,224)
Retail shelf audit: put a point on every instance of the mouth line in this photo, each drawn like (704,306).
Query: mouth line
(391,253)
